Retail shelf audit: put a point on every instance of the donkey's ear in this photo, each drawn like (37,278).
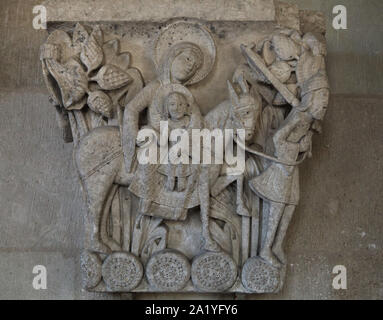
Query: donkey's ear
(243,84)
(233,95)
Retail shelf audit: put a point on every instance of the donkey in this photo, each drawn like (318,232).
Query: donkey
(100,164)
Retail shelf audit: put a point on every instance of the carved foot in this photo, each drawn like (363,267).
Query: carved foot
(113,245)
(243,211)
(280,253)
(98,246)
(270,257)
(211,245)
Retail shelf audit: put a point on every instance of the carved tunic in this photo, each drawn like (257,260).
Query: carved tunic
(278,94)
(152,183)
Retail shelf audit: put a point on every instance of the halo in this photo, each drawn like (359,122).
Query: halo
(195,33)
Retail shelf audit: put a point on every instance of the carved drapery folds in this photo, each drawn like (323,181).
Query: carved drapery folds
(186,227)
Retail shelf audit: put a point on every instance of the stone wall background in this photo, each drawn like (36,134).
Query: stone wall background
(338,221)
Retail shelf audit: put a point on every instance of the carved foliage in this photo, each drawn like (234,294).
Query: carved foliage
(83,70)
(284,92)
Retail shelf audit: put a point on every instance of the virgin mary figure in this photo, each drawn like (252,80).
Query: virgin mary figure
(184,54)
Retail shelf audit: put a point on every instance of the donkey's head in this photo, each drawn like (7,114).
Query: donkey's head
(245,108)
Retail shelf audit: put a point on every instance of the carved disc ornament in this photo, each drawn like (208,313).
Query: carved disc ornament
(163,226)
(122,271)
(258,276)
(168,271)
(91,269)
(214,272)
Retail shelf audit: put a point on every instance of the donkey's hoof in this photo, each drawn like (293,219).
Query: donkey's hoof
(211,245)
(270,257)
(113,245)
(280,254)
(99,247)
(243,211)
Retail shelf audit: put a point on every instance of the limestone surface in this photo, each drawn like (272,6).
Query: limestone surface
(113,83)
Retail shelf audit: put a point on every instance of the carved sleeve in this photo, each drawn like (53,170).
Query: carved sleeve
(131,117)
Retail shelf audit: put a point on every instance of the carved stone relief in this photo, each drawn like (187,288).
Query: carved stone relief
(197,227)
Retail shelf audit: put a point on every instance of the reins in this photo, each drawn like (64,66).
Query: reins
(268,157)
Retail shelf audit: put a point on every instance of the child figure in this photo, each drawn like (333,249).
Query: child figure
(177,112)
(177,109)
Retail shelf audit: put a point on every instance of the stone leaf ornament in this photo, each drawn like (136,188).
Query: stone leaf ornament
(85,73)
(186,228)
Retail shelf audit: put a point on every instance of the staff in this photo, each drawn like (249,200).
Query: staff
(256,63)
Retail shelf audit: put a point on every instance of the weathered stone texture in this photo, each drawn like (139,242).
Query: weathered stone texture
(137,10)
(338,220)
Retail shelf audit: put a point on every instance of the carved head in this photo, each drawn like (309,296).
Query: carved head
(316,43)
(176,105)
(182,62)
(245,109)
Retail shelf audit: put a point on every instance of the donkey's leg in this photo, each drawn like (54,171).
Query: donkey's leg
(98,186)
(111,243)
(204,196)
(123,178)
(275,214)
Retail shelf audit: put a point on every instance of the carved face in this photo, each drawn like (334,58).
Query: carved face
(246,111)
(246,114)
(184,66)
(176,105)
